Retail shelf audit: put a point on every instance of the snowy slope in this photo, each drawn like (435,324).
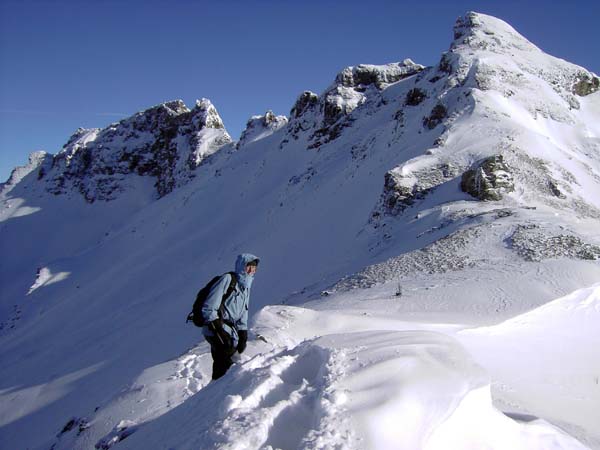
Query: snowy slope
(473,184)
(364,378)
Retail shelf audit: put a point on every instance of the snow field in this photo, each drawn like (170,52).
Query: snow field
(322,380)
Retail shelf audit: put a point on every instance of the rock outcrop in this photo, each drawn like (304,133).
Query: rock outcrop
(489,179)
(403,187)
(534,243)
(325,116)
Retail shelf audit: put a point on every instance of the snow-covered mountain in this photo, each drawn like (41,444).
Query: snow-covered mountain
(408,219)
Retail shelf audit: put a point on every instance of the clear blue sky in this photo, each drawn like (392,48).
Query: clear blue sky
(66,64)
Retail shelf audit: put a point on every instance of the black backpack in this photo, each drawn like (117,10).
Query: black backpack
(196,315)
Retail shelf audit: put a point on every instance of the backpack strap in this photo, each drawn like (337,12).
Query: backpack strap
(228,292)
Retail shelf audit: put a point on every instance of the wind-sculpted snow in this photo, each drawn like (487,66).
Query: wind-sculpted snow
(332,379)
(561,380)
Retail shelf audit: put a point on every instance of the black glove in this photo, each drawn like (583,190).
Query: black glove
(243,339)
(216,326)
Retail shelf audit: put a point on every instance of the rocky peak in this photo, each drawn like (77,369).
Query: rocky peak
(259,127)
(488,54)
(305,102)
(514,96)
(483,32)
(206,115)
(157,117)
(166,142)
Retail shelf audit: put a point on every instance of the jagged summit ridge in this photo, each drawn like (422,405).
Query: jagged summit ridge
(323,117)
(166,142)
(169,141)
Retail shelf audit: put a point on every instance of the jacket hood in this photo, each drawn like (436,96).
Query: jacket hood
(242,261)
(240,268)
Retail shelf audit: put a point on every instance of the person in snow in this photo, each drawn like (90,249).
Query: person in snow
(227,332)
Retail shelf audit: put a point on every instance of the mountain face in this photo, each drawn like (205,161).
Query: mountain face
(480,174)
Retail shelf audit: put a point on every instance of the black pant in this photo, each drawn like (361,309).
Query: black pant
(221,354)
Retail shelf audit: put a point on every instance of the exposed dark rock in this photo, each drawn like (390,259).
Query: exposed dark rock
(414,97)
(437,115)
(75,423)
(365,75)
(535,244)
(303,177)
(553,186)
(401,191)
(586,84)
(306,101)
(445,64)
(488,180)
(332,110)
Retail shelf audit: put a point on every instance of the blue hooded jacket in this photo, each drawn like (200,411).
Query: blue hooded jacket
(235,307)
